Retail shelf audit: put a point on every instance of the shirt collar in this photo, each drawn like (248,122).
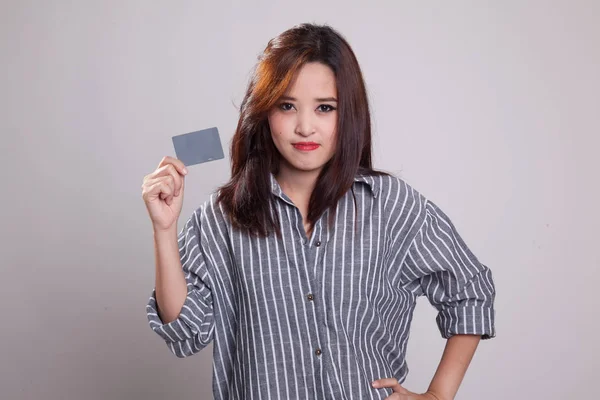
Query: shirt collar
(370,181)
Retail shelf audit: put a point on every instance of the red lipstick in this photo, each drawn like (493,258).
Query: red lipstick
(306,146)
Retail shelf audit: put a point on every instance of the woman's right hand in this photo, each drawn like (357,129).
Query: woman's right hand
(162,191)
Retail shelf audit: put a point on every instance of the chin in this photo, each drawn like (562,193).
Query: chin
(304,167)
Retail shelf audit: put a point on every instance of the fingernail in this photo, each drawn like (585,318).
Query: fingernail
(375,384)
(185,170)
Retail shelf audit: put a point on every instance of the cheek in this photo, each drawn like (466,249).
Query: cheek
(277,124)
(331,129)
(277,132)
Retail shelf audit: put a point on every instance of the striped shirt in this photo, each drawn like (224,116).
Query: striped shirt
(322,317)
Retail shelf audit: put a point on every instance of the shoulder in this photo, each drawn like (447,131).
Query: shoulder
(405,208)
(209,214)
(211,224)
(397,195)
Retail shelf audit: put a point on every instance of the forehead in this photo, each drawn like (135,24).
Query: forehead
(313,79)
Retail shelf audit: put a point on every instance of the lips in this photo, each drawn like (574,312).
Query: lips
(306,146)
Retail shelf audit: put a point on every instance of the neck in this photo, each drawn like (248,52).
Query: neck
(297,185)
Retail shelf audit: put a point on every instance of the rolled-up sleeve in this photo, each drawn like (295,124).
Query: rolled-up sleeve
(452,278)
(194,328)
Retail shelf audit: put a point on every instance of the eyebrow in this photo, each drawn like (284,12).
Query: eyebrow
(320,99)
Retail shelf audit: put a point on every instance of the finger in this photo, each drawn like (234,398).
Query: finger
(385,382)
(150,189)
(159,188)
(178,164)
(166,170)
(165,189)
(177,178)
(172,181)
(170,169)
(167,198)
(167,180)
(389,383)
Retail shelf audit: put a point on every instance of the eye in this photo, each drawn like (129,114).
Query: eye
(326,108)
(284,106)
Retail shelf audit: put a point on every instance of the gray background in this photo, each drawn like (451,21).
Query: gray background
(489,108)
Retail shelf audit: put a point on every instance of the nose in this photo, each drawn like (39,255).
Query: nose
(305,124)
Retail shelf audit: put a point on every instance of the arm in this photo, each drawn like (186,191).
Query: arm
(439,264)
(455,282)
(171,287)
(456,359)
(185,304)
(462,290)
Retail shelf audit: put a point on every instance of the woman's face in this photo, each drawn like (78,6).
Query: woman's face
(304,121)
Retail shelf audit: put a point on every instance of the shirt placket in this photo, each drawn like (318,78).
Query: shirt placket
(310,261)
(315,249)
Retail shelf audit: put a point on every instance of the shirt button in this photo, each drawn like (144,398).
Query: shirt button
(318,352)
(310,297)
(318,243)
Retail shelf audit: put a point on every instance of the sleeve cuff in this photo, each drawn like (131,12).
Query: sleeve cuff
(469,320)
(195,319)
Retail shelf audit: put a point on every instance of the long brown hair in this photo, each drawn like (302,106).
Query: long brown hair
(247,198)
